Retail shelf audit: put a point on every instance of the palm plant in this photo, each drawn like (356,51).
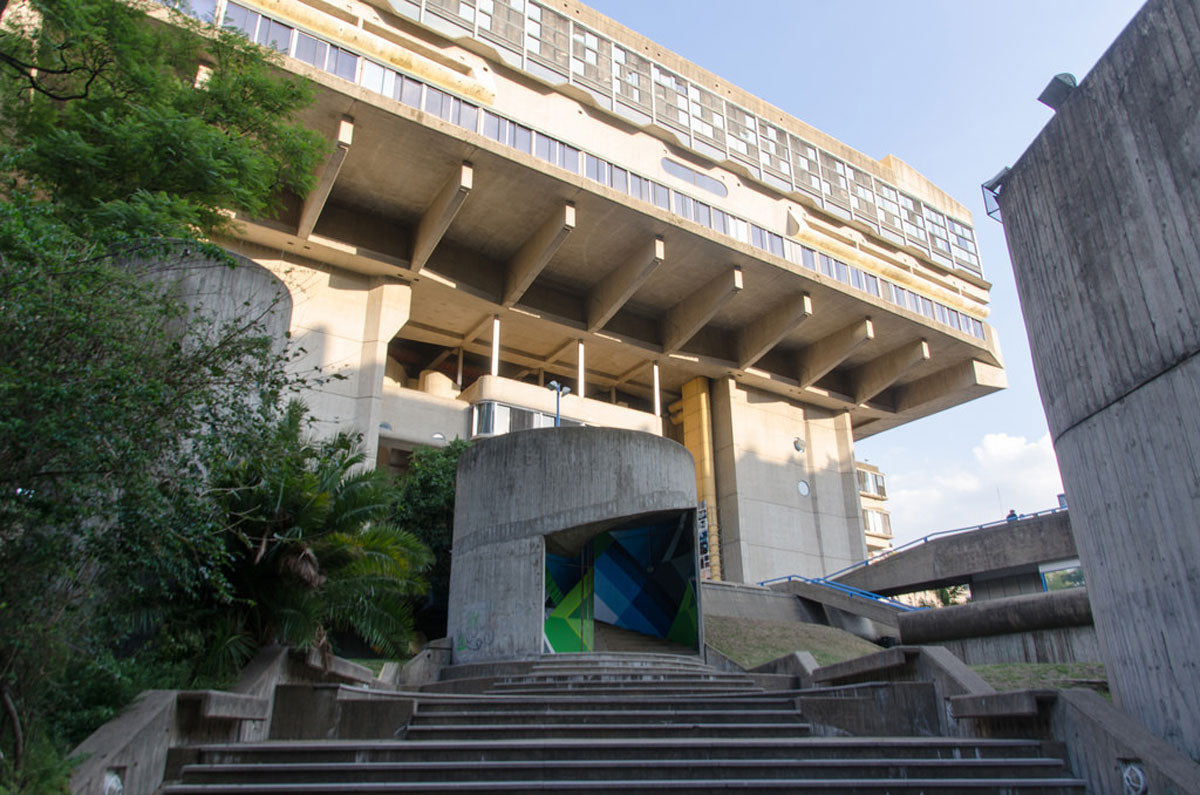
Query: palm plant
(310,550)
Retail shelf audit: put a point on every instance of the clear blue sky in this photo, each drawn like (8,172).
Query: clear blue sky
(949,86)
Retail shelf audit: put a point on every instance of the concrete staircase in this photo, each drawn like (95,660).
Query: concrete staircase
(626,723)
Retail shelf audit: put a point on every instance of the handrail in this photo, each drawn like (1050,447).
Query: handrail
(918,541)
(848,590)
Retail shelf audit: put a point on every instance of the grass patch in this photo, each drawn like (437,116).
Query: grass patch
(1029,676)
(374,663)
(751,642)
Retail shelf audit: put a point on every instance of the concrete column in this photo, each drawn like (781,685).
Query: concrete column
(458,377)
(1102,217)
(495,345)
(387,311)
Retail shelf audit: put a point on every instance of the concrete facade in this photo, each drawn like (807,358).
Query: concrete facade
(517,489)
(534,194)
(1102,217)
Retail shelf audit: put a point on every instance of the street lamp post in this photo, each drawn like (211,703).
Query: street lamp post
(559,391)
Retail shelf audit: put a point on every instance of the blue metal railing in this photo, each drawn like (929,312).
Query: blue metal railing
(941,533)
(847,590)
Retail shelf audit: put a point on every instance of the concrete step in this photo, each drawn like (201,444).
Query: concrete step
(707,703)
(555,750)
(627,675)
(595,689)
(616,731)
(589,770)
(600,716)
(1054,786)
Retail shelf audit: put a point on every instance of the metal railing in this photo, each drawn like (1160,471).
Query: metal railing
(940,534)
(847,590)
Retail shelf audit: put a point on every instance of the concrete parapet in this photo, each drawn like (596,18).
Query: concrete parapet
(1049,610)
(953,559)
(948,674)
(1104,747)
(753,601)
(516,489)
(151,736)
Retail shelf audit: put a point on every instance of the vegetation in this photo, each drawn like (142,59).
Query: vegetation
(1028,676)
(146,459)
(424,505)
(752,642)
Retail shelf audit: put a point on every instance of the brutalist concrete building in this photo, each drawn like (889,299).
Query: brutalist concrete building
(527,193)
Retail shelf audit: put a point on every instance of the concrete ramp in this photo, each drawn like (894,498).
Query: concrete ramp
(867,617)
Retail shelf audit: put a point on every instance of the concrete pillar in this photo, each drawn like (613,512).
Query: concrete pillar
(387,310)
(1102,216)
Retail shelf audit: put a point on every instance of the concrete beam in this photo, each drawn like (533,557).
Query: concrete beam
(971,378)
(765,332)
(630,373)
(440,213)
(536,253)
(477,329)
(315,201)
(880,373)
(818,359)
(619,286)
(559,351)
(689,315)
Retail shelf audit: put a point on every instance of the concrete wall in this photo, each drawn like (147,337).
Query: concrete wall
(1102,216)
(515,489)
(413,417)
(752,601)
(768,527)
(1059,645)
(341,324)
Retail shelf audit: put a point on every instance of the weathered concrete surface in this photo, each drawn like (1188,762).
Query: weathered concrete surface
(1050,610)
(754,601)
(517,488)
(1102,216)
(866,618)
(949,675)
(1100,740)
(951,560)
(1060,645)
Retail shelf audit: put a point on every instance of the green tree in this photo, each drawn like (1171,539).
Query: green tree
(311,549)
(424,505)
(117,397)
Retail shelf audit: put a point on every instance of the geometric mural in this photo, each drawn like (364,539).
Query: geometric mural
(569,625)
(640,578)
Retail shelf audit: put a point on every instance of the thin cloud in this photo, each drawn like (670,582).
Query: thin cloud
(1007,472)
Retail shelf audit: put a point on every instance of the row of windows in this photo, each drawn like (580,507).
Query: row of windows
(707,123)
(457,111)
(493,419)
(557,48)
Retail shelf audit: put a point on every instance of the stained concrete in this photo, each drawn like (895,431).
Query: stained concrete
(516,489)
(1102,217)
(1009,548)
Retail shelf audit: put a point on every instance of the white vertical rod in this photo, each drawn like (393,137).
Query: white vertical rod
(657,396)
(495,345)
(579,381)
